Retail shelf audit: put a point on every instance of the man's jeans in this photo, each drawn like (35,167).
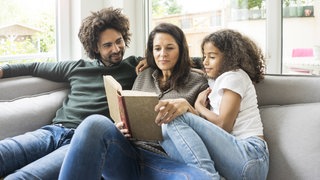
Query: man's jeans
(98,149)
(35,155)
(202,144)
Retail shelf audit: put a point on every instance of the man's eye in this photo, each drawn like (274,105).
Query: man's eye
(119,41)
(107,45)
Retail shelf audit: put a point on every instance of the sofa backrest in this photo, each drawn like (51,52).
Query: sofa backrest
(286,89)
(289,108)
(27,103)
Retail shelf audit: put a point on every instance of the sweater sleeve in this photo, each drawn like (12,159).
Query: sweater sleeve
(56,71)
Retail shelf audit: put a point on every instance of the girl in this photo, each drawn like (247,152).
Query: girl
(228,140)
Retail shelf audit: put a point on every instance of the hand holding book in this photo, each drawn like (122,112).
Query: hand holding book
(169,109)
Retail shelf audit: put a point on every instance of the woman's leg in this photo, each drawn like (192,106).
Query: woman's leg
(158,167)
(98,149)
(232,157)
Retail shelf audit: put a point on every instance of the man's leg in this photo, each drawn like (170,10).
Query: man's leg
(19,151)
(45,168)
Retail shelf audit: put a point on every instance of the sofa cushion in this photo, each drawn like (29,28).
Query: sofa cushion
(29,113)
(292,132)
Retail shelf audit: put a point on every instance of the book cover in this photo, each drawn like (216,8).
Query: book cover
(134,108)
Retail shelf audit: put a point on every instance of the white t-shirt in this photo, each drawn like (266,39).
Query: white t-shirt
(248,122)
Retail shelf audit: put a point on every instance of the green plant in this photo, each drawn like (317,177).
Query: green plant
(286,2)
(254,3)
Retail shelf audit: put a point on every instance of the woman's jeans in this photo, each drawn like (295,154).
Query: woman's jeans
(98,149)
(35,155)
(202,144)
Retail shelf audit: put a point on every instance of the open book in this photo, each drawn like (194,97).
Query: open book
(134,108)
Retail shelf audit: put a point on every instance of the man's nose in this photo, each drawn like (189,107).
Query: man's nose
(115,48)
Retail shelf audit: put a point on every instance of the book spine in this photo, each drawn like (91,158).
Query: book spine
(123,113)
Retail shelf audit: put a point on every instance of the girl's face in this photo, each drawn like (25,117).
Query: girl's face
(212,58)
(165,51)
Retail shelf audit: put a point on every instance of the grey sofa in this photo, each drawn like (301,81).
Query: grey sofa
(289,106)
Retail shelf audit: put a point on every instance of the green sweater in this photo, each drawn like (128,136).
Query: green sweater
(87,95)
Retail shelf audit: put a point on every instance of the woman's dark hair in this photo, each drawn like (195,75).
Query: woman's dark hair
(238,51)
(92,26)
(182,68)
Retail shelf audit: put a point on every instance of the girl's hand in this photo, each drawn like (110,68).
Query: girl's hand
(123,130)
(202,98)
(169,109)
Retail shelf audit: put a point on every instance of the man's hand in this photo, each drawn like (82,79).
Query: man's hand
(141,66)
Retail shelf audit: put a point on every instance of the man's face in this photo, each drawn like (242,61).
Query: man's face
(111,47)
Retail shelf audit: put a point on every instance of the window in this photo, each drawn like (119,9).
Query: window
(201,17)
(301,42)
(283,29)
(27,31)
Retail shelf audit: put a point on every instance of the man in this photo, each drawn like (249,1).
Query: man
(39,154)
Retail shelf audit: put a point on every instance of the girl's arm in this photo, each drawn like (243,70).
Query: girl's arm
(228,112)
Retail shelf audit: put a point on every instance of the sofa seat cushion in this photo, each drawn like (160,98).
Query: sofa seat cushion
(292,132)
(29,112)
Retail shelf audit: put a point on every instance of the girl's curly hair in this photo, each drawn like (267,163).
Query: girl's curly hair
(239,52)
(97,22)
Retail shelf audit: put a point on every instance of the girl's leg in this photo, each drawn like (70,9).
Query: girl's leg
(181,141)
(232,157)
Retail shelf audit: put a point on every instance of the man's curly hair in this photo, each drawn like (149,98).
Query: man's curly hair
(238,51)
(97,22)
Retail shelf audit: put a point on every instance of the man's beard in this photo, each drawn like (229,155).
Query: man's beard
(114,59)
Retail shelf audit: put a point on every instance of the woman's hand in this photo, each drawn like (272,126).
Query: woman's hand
(169,109)
(123,130)
(141,66)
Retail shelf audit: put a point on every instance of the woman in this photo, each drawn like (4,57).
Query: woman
(100,148)
(229,140)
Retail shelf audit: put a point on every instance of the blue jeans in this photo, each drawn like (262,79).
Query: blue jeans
(202,144)
(34,155)
(98,149)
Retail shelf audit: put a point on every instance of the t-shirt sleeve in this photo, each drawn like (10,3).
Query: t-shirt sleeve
(233,81)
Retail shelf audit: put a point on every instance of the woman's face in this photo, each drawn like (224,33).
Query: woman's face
(165,51)
(212,58)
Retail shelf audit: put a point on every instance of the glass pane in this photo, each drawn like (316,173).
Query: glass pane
(27,31)
(202,17)
(301,40)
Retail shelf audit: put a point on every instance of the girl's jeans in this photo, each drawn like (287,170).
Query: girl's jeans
(98,149)
(35,155)
(202,144)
